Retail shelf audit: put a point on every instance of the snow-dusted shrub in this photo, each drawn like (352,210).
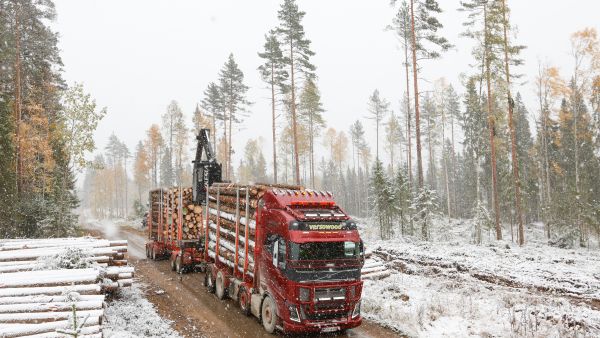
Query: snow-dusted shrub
(69,258)
(132,315)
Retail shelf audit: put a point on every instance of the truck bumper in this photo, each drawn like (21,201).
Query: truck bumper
(321,326)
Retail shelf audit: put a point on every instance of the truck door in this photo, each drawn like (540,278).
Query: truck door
(274,263)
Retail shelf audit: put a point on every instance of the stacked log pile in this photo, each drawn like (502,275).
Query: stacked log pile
(374,268)
(178,207)
(232,210)
(38,298)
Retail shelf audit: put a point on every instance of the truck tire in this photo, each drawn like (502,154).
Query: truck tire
(268,315)
(244,301)
(172,261)
(220,289)
(178,264)
(208,282)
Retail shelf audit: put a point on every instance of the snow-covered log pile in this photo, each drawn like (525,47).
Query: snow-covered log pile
(374,267)
(49,287)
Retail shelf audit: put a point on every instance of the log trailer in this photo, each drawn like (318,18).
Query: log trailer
(288,255)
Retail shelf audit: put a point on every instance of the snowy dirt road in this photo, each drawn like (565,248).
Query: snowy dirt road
(183,299)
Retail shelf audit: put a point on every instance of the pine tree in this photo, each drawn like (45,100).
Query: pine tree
(488,16)
(426,43)
(233,91)
(310,113)
(213,103)
(378,107)
(453,112)
(509,55)
(393,137)
(381,195)
(357,137)
(296,47)
(473,123)
(430,113)
(401,202)
(424,208)
(401,25)
(275,75)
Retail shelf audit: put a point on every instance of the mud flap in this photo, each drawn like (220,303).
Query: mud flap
(255,303)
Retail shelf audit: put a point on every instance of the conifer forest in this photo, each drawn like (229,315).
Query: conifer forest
(462,136)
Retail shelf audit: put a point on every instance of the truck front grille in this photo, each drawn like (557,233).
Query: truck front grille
(331,306)
(325,315)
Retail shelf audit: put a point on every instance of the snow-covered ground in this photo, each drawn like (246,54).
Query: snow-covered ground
(450,288)
(131,315)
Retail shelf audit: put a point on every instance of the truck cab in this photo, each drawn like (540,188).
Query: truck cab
(309,262)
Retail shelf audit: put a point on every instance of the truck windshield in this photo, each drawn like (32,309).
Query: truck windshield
(324,250)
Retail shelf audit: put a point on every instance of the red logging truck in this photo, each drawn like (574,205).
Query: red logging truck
(289,256)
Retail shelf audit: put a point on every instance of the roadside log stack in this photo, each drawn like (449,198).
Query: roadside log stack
(374,268)
(232,210)
(39,292)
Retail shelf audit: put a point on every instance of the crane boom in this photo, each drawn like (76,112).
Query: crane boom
(206,169)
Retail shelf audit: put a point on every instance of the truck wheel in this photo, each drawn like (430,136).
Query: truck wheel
(172,261)
(208,282)
(220,286)
(178,265)
(269,318)
(244,301)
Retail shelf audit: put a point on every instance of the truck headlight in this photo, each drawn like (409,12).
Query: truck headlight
(304,294)
(356,311)
(294,316)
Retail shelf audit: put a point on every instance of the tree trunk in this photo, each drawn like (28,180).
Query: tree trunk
(545,177)
(293,109)
(274,127)
(126,205)
(392,156)
(445,163)
(229,148)
(408,117)
(513,137)
(416,94)
(377,136)
(312,157)
(214,131)
(453,165)
(491,127)
(17,105)
(431,157)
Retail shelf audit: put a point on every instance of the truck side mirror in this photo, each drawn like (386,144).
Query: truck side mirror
(275,253)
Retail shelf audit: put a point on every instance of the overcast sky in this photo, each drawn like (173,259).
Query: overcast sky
(135,57)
